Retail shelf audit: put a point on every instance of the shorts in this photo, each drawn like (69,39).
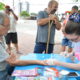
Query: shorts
(66,42)
(11,37)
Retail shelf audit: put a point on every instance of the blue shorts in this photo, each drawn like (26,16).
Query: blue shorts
(66,42)
(41,47)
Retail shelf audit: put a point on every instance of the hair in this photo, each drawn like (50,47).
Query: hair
(52,2)
(72,28)
(7,7)
(75,7)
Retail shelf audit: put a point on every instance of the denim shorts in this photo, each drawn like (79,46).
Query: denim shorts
(41,47)
(66,42)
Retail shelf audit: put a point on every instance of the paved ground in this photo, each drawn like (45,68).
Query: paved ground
(27,35)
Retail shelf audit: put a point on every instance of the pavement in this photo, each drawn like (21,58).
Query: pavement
(27,34)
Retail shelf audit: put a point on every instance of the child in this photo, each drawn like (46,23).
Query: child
(65,41)
(5,58)
(72,32)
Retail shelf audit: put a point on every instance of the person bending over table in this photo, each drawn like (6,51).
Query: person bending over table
(72,32)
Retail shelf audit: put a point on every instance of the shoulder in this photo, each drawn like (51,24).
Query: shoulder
(41,12)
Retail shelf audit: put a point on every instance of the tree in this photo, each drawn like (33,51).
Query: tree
(2,6)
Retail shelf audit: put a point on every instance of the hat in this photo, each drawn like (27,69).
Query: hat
(75,17)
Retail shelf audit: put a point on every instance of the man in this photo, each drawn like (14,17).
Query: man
(11,37)
(45,19)
(5,58)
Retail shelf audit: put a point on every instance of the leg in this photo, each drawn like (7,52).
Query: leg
(39,48)
(15,41)
(63,48)
(69,46)
(9,48)
(69,50)
(8,41)
(50,48)
(16,46)
(64,43)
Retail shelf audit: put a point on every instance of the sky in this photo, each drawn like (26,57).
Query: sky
(37,5)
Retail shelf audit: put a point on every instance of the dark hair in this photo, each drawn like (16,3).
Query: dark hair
(75,7)
(72,28)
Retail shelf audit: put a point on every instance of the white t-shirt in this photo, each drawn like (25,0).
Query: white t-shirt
(12,24)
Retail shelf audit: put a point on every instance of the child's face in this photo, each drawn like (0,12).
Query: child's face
(73,37)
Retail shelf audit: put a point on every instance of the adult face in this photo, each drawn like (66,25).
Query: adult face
(73,37)
(53,8)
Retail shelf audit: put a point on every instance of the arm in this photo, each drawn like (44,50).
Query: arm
(58,63)
(12,60)
(14,15)
(27,62)
(43,21)
(57,23)
(68,65)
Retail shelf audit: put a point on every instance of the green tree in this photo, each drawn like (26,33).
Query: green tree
(2,6)
(24,14)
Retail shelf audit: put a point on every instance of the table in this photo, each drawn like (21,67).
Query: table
(44,57)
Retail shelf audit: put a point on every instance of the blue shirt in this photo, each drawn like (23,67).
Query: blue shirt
(42,31)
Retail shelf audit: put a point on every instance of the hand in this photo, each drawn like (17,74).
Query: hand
(51,61)
(12,57)
(53,17)
(42,62)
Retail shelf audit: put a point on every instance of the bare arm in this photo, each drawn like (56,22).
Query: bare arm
(12,60)
(14,15)
(27,62)
(57,23)
(43,21)
(68,65)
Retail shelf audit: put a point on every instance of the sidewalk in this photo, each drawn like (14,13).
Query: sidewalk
(27,34)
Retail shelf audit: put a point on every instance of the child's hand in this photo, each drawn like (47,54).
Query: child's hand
(51,61)
(41,62)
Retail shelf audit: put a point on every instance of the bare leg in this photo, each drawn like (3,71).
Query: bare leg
(16,46)
(63,48)
(69,50)
(9,48)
